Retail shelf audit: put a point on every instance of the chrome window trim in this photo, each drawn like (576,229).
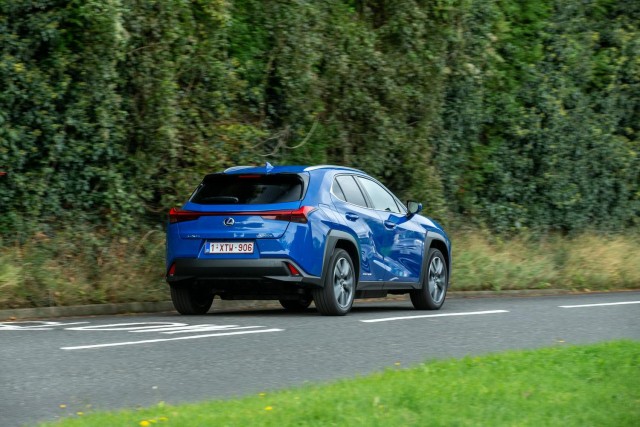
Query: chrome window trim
(344,201)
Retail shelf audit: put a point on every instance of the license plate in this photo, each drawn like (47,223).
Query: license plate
(229,248)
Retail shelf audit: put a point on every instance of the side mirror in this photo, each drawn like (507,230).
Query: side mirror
(413,207)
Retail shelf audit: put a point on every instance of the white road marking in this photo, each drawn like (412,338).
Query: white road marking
(599,305)
(200,328)
(127,326)
(183,327)
(39,325)
(424,316)
(161,327)
(193,337)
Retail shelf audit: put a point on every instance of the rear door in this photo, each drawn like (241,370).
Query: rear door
(402,240)
(351,204)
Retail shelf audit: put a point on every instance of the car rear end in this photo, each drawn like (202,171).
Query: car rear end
(241,234)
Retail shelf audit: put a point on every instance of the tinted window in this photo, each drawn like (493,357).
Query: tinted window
(335,188)
(351,190)
(221,189)
(382,200)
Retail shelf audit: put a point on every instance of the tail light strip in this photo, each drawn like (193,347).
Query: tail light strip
(300,215)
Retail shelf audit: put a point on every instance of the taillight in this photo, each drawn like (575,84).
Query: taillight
(172,270)
(299,215)
(302,215)
(178,215)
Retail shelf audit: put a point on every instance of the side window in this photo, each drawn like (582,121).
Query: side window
(402,208)
(351,190)
(337,191)
(382,200)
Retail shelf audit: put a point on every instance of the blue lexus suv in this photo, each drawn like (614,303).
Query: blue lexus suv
(297,234)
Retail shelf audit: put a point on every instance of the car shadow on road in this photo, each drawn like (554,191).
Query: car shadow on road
(310,312)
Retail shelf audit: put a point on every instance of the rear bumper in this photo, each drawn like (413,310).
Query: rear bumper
(221,271)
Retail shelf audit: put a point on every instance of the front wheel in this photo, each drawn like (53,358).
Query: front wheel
(191,300)
(435,283)
(335,298)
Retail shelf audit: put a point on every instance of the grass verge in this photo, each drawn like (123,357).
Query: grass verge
(585,262)
(85,267)
(82,267)
(568,386)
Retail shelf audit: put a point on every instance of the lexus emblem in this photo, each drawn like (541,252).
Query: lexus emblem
(229,222)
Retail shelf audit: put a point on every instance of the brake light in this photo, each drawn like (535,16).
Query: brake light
(178,215)
(299,215)
(172,270)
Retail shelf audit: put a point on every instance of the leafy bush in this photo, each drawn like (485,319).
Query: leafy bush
(511,115)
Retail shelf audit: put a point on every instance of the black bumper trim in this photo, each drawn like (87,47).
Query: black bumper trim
(268,269)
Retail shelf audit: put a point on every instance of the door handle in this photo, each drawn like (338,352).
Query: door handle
(390,225)
(351,216)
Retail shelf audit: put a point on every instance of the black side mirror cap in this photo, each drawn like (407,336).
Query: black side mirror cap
(413,207)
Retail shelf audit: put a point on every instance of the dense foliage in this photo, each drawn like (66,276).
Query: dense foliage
(506,113)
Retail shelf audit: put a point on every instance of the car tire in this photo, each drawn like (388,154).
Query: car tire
(335,298)
(435,283)
(191,300)
(300,304)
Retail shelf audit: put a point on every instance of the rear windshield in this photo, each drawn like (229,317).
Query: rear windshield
(221,189)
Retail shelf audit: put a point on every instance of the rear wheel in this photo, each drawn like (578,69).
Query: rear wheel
(336,297)
(296,304)
(434,287)
(191,300)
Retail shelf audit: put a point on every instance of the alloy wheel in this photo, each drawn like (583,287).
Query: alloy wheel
(437,279)
(343,283)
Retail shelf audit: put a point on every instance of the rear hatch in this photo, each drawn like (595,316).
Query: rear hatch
(237,206)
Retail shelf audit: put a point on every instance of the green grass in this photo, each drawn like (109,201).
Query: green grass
(594,385)
(90,268)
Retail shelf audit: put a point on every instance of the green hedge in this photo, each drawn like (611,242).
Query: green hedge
(507,114)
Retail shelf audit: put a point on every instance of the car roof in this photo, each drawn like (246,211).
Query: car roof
(268,168)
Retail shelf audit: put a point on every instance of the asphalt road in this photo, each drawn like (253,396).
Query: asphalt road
(113,362)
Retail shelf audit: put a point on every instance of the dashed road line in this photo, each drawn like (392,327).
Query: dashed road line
(192,337)
(599,305)
(425,316)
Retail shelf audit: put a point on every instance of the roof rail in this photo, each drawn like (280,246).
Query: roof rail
(312,168)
